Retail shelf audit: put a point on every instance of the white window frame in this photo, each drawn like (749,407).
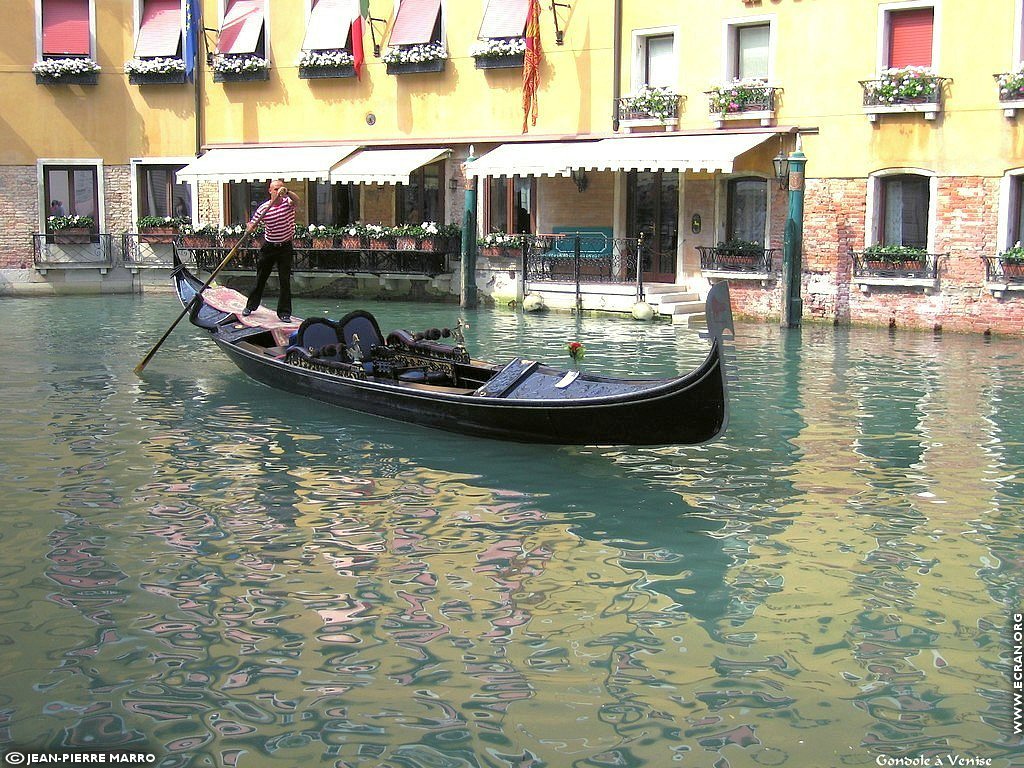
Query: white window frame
(1006,208)
(135,163)
(886,9)
(722,202)
(874,213)
(92,29)
(640,38)
(44,204)
(730,43)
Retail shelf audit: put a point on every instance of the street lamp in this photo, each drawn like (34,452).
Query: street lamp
(781,163)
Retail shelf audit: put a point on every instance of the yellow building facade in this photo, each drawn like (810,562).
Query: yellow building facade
(654,119)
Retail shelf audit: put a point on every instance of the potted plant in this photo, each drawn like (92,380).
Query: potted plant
(894,257)
(234,67)
(231,234)
(903,85)
(379,237)
(352,236)
(160,229)
(335,62)
(322,236)
(740,95)
(407,236)
(71,70)
(159,69)
(1011,85)
(425,57)
(498,52)
(739,253)
(1012,261)
(501,245)
(204,236)
(660,102)
(71,229)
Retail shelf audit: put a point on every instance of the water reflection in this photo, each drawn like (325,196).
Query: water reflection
(201,567)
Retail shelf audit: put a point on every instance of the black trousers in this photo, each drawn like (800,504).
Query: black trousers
(271,255)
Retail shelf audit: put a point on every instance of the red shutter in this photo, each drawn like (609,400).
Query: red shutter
(240,30)
(329,25)
(160,29)
(415,22)
(504,18)
(910,37)
(66,28)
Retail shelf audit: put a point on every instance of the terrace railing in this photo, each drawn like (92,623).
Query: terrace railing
(72,250)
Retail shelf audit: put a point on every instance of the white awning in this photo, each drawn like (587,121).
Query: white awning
(386,166)
(263,163)
(711,152)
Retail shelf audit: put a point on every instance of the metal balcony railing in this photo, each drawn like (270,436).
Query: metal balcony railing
(719,259)
(664,109)
(72,250)
(926,268)
(882,92)
(142,251)
(736,99)
(999,271)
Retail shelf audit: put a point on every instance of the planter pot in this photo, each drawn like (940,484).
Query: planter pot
(73,235)
(156,78)
(158,235)
(80,78)
(351,242)
(243,76)
(511,61)
(316,73)
(436,243)
(381,244)
(198,241)
(1013,268)
(323,242)
(414,67)
(406,243)
(500,252)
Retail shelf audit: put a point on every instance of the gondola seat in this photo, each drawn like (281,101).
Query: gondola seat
(320,336)
(402,338)
(360,323)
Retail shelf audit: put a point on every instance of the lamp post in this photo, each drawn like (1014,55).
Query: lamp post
(468,298)
(792,169)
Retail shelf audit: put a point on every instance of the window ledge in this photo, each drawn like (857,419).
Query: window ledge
(1000,289)
(726,274)
(930,110)
(669,123)
(765,116)
(864,284)
(1010,107)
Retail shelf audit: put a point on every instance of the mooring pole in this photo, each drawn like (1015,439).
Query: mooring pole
(468,298)
(792,246)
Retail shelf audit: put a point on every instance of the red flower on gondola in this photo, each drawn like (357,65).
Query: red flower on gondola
(576,350)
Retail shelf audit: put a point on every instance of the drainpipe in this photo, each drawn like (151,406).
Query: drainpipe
(616,62)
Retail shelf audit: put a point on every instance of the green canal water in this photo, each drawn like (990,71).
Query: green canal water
(204,570)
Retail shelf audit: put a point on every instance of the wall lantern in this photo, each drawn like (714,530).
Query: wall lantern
(781,163)
(580,177)
(695,224)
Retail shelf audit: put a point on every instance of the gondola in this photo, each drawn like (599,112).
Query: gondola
(425,381)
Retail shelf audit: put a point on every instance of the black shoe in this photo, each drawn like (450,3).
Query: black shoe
(284,317)
(246,312)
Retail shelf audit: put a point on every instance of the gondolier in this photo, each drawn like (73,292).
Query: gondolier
(278,218)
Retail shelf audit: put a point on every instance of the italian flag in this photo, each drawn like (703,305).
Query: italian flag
(360,13)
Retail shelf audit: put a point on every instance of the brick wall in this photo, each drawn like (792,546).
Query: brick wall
(21,216)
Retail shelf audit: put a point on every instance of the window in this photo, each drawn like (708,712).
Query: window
(751,51)
(746,209)
(904,210)
(1016,229)
(72,190)
(243,198)
(417,22)
(242,29)
(160,195)
(652,199)
(330,24)
(66,28)
(509,205)
(421,199)
(909,35)
(658,61)
(159,29)
(504,18)
(333,204)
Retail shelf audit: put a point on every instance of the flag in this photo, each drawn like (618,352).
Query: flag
(531,64)
(193,23)
(360,14)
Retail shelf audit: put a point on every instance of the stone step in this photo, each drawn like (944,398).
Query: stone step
(677,296)
(690,319)
(681,307)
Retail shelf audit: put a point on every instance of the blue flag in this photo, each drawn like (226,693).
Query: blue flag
(192,24)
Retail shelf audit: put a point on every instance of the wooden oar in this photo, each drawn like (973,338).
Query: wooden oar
(188,307)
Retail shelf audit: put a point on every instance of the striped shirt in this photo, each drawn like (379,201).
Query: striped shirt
(279,220)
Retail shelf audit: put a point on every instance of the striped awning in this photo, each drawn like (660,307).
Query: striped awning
(504,18)
(386,166)
(415,21)
(160,29)
(264,163)
(241,28)
(706,152)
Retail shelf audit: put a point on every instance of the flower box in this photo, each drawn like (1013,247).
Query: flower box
(414,67)
(381,243)
(71,78)
(324,241)
(436,243)
(318,72)
(73,235)
(199,241)
(406,243)
(351,242)
(1012,268)
(241,76)
(508,61)
(156,78)
(158,235)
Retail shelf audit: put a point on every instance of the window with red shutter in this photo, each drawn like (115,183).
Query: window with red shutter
(66,28)
(160,29)
(910,37)
(504,18)
(417,22)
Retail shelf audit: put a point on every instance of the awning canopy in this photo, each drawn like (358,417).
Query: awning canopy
(415,22)
(504,18)
(159,29)
(711,152)
(386,166)
(241,28)
(329,25)
(263,163)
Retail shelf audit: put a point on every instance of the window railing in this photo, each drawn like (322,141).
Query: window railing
(999,270)
(866,265)
(724,259)
(890,94)
(72,250)
(734,100)
(641,108)
(140,251)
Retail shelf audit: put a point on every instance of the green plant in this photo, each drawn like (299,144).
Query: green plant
(1011,84)
(205,230)
(496,47)
(326,59)
(1014,255)
(739,96)
(414,54)
(55,223)
(737,247)
(154,66)
(501,240)
(894,254)
(176,223)
(902,84)
(659,102)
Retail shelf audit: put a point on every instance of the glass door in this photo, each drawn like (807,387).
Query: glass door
(653,211)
